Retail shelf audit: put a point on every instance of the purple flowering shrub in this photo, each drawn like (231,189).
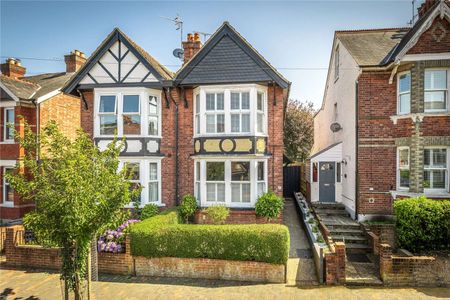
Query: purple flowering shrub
(113,241)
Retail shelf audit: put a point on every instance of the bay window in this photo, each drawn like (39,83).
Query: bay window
(435,174)
(232,182)
(230,110)
(436,90)
(127,112)
(144,173)
(8,191)
(403,158)
(404,93)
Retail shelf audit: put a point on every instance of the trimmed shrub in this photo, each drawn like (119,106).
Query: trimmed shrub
(149,210)
(269,205)
(217,213)
(188,207)
(161,236)
(422,224)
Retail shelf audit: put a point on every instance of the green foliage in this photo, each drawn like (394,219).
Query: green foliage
(78,192)
(161,236)
(423,224)
(149,210)
(269,205)
(188,207)
(320,239)
(217,213)
(298,129)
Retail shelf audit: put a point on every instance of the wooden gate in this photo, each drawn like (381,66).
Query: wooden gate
(291,181)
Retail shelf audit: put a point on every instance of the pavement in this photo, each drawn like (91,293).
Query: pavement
(35,284)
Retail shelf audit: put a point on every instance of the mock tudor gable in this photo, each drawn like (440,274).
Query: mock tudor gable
(118,61)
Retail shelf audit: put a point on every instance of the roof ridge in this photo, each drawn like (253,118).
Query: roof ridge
(372,29)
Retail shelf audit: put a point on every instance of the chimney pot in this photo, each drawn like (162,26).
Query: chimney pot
(196,37)
(74,61)
(13,68)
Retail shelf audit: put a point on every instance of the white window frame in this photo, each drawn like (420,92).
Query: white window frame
(6,203)
(157,115)
(431,167)
(446,91)
(265,181)
(5,124)
(197,114)
(143,93)
(261,112)
(400,168)
(240,112)
(138,113)
(399,94)
(227,89)
(227,181)
(144,178)
(216,112)
(242,182)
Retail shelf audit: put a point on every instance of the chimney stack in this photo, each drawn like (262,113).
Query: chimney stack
(425,7)
(191,46)
(13,68)
(74,61)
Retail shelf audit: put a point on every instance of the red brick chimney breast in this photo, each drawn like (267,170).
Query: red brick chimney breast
(191,46)
(74,61)
(13,68)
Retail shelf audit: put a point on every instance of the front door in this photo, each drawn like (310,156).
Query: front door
(327,181)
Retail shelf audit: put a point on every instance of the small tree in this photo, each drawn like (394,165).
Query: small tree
(188,207)
(269,205)
(298,130)
(78,192)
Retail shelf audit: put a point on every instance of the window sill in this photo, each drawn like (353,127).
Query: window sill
(429,194)
(418,116)
(159,204)
(8,143)
(10,205)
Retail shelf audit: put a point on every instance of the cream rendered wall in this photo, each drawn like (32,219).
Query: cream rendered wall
(340,91)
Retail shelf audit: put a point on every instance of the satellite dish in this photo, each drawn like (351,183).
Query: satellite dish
(178,53)
(335,127)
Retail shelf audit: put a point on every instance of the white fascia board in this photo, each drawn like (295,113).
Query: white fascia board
(426,56)
(48,96)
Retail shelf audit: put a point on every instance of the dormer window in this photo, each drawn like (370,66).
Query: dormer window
(404,93)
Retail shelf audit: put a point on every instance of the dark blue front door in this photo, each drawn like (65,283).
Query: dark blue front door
(327,181)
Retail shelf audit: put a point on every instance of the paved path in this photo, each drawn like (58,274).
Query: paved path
(300,268)
(40,285)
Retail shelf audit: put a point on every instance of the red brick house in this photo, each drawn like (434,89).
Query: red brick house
(38,99)
(208,130)
(383,131)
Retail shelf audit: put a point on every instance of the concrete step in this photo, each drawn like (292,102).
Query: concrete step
(323,211)
(347,231)
(357,248)
(331,225)
(323,205)
(350,239)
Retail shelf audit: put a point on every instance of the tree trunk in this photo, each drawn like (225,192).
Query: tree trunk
(66,291)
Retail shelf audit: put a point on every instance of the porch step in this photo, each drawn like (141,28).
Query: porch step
(346,231)
(323,211)
(350,239)
(357,248)
(331,225)
(323,205)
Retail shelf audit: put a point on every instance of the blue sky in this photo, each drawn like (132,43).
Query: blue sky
(291,34)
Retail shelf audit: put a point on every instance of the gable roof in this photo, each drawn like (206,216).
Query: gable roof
(19,88)
(158,70)
(228,58)
(371,47)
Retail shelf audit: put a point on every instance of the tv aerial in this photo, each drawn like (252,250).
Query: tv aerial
(178,22)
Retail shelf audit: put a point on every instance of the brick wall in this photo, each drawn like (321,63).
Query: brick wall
(87,112)
(210,269)
(65,110)
(439,30)
(413,270)
(335,265)
(237,217)
(20,255)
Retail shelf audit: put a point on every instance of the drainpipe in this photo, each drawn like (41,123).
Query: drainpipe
(170,98)
(356,150)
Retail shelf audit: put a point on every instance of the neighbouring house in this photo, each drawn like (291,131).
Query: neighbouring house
(213,129)
(37,100)
(383,131)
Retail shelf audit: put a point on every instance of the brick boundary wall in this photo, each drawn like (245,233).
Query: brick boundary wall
(418,271)
(380,234)
(335,265)
(210,269)
(237,217)
(20,255)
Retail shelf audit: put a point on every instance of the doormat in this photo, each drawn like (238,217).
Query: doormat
(358,258)
(304,253)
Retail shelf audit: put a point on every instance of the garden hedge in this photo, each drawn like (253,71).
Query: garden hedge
(164,236)
(422,224)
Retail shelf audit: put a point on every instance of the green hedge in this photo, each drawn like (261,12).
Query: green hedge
(422,224)
(163,236)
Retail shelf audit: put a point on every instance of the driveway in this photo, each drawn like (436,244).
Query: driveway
(40,285)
